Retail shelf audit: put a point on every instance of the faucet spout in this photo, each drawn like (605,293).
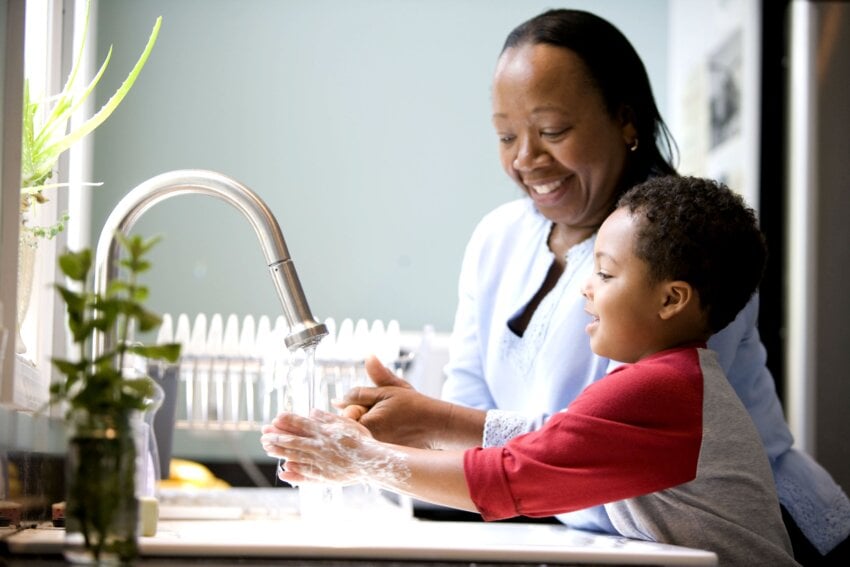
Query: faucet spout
(304,331)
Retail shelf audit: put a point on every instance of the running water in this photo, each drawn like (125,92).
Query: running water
(316,501)
(311,378)
(305,391)
(297,386)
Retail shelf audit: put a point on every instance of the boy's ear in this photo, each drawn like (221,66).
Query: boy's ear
(676,296)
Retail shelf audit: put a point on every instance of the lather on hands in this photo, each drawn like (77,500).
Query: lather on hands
(324,448)
(331,449)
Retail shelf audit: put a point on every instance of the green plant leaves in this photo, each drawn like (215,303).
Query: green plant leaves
(76,265)
(43,144)
(138,388)
(169,351)
(96,382)
(89,125)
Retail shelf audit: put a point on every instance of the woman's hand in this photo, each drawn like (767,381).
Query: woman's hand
(394,412)
(358,401)
(330,449)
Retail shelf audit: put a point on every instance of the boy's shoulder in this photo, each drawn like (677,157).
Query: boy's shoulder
(672,363)
(667,381)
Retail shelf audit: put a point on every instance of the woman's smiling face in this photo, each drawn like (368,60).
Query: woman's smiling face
(556,138)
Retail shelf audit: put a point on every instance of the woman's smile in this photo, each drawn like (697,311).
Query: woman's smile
(546,188)
(549,193)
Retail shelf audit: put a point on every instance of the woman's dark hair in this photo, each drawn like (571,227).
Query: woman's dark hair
(617,71)
(699,231)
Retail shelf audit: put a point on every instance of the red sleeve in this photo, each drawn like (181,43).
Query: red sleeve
(636,431)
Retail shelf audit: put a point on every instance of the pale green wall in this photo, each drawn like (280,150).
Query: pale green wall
(364,124)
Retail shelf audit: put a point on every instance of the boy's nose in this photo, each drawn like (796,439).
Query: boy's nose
(585,289)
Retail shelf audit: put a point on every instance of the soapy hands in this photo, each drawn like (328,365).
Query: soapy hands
(331,449)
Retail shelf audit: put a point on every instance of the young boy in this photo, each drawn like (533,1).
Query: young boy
(663,441)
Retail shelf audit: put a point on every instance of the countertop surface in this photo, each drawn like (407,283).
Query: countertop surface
(329,542)
(355,527)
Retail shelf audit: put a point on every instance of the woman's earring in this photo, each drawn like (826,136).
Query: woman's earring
(634,147)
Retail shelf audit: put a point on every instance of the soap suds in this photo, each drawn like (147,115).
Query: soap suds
(337,452)
(348,456)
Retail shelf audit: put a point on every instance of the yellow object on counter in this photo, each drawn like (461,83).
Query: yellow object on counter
(190,474)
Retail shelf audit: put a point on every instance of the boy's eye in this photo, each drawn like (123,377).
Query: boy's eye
(603,276)
(506,138)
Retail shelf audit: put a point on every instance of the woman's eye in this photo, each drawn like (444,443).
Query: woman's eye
(603,276)
(506,138)
(552,134)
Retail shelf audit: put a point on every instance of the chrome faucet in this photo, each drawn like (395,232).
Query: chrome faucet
(304,331)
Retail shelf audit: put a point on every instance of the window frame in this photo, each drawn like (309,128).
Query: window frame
(49,50)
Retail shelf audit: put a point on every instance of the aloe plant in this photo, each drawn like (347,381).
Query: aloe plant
(43,143)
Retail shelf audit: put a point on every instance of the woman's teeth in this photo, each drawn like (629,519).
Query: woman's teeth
(546,187)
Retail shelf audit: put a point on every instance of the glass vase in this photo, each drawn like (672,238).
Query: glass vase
(101,506)
(26,273)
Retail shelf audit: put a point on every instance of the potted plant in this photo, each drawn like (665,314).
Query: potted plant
(45,137)
(105,397)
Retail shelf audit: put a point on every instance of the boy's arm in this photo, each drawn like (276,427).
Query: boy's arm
(331,449)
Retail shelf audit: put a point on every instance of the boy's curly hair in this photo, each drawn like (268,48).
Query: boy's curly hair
(699,231)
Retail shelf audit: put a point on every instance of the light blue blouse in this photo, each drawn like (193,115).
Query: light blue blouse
(531,377)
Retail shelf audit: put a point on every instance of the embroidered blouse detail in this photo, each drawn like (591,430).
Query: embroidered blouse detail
(521,352)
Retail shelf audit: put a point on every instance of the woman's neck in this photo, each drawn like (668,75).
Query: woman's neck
(563,237)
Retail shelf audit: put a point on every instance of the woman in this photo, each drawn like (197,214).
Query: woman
(577,126)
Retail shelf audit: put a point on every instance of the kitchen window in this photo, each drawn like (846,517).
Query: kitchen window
(49,49)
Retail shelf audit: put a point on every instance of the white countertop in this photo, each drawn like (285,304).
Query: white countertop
(357,523)
(409,539)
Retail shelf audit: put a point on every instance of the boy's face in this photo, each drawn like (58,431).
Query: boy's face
(622,301)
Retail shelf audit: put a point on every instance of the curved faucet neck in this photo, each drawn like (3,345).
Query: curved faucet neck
(304,331)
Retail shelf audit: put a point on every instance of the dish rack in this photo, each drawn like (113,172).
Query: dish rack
(237,375)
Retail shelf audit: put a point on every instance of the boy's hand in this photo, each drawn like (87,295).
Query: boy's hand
(328,449)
